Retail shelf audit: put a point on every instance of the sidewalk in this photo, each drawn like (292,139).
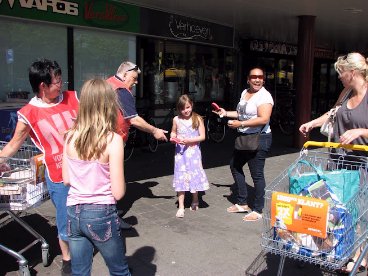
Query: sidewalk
(207,242)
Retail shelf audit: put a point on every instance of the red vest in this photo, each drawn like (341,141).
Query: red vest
(122,125)
(48,125)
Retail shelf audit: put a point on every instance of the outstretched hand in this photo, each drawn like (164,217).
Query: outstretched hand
(159,134)
(305,128)
(220,112)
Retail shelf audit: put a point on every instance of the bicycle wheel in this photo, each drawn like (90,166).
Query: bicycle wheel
(286,123)
(130,144)
(151,140)
(215,129)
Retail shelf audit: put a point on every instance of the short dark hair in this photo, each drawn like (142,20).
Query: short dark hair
(42,71)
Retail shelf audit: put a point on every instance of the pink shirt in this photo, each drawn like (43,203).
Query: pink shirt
(89,182)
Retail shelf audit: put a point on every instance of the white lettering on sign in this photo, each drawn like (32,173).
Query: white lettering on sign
(185,29)
(57,6)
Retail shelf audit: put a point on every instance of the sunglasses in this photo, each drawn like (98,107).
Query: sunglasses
(135,68)
(253,77)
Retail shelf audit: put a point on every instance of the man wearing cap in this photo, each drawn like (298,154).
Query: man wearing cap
(122,82)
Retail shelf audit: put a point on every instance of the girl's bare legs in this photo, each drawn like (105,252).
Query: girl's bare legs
(180,212)
(195,202)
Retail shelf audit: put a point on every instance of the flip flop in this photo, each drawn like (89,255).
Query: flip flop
(236,208)
(194,206)
(253,216)
(180,213)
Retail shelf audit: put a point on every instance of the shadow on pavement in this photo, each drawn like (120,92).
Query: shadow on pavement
(145,165)
(16,238)
(135,191)
(266,264)
(142,260)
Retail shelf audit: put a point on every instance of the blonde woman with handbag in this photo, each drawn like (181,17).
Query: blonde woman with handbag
(351,118)
(351,121)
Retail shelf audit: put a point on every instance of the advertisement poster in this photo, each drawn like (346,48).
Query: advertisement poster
(300,214)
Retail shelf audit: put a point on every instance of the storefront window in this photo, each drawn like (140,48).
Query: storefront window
(22,43)
(153,72)
(285,75)
(173,68)
(174,71)
(206,76)
(99,54)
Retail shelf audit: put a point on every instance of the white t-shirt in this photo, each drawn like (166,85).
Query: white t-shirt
(248,109)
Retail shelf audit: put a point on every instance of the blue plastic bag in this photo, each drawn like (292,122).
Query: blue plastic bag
(344,183)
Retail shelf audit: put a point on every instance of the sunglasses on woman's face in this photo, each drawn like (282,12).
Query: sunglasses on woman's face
(253,77)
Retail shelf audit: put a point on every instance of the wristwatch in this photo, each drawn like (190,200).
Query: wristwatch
(242,124)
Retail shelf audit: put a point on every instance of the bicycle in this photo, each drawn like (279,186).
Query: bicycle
(215,127)
(283,119)
(140,138)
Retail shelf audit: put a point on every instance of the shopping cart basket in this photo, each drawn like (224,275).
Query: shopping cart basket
(20,190)
(343,236)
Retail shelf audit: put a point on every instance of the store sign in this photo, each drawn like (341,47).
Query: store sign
(96,13)
(272,47)
(55,6)
(104,14)
(172,26)
(186,28)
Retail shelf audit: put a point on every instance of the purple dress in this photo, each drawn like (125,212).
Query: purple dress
(188,172)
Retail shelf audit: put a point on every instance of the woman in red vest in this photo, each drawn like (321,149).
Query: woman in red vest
(46,118)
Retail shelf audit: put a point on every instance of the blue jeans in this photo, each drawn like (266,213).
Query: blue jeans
(256,162)
(92,225)
(58,194)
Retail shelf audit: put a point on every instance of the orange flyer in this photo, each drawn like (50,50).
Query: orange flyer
(300,214)
(38,168)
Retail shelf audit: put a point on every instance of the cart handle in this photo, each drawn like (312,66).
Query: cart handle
(335,145)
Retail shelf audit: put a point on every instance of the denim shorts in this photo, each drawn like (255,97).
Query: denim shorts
(58,195)
(94,225)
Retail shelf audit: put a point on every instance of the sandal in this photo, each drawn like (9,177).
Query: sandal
(236,208)
(348,267)
(253,216)
(194,206)
(180,213)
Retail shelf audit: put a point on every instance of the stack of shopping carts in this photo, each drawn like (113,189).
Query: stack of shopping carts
(22,187)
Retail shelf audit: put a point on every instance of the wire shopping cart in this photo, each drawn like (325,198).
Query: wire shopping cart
(342,228)
(21,188)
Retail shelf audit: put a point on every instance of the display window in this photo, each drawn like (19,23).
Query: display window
(99,54)
(22,43)
(174,68)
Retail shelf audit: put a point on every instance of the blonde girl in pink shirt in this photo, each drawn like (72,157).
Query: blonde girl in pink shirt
(93,167)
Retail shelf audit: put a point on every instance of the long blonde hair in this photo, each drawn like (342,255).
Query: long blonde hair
(182,101)
(97,118)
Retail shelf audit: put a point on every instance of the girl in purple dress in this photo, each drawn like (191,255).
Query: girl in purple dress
(187,132)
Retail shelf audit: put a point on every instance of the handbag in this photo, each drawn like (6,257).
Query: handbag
(327,127)
(344,183)
(247,141)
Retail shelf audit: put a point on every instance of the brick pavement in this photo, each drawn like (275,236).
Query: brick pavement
(206,242)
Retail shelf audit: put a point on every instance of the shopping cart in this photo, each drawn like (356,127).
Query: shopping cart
(333,249)
(22,188)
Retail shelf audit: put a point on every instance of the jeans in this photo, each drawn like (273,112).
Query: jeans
(58,194)
(92,225)
(256,162)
